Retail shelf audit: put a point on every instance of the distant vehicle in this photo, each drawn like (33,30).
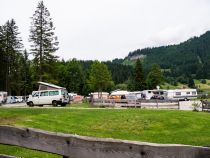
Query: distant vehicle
(19,99)
(3,97)
(11,99)
(49,97)
(182,94)
(25,98)
(154,94)
(118,95)
(71,96)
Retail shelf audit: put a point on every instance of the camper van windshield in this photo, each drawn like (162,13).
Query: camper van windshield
(36,94)
(64,92)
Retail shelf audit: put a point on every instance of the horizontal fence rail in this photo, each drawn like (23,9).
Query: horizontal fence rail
(167,104)
(74,146)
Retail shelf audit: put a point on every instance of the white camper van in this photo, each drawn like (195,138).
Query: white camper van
(48,97)
(182,94)
(3,97)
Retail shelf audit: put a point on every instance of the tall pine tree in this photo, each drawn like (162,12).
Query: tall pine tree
(44,42)
(12,45)
(139,82)
(2,61)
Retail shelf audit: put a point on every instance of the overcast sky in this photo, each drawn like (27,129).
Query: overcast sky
(108,29)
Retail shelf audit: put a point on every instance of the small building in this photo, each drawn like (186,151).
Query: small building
(99,95)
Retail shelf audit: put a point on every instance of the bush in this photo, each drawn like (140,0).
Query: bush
(196,106)
(203,81)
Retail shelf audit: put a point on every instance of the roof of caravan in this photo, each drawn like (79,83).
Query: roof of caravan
(96,93)
(51,85)
(120,92)
(182,90)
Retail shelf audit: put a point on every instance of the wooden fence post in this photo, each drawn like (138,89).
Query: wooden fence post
(202,105)
(178,105)
(157,103)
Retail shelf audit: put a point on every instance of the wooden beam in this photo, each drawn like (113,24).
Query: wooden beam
(6,156)
(87,147)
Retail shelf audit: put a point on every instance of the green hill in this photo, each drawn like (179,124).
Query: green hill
(190,58)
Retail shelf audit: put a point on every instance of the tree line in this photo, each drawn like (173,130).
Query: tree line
(19,74)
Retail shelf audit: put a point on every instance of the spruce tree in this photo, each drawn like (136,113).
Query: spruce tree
(12,45)
(191,83)
(155,77)
(139,82)
(2,61)
(44,42)
(26,73)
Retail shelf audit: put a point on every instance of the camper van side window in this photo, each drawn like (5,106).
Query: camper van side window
(64,92)
(53,93)
(188,92)
(178,93)
(44,94)
(194,93)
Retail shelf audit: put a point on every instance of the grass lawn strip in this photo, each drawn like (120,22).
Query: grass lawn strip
(157,126)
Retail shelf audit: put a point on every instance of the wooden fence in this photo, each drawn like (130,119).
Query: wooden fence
(73,146)
(167,104)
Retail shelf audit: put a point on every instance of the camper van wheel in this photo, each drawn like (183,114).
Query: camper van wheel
(31,104)
(63,104)
(54,103)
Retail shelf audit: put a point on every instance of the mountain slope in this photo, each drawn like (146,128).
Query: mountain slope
(188,58)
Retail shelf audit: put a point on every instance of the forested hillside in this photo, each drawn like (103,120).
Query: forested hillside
(188,59)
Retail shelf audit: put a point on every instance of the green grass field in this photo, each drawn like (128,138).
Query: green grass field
(158,126)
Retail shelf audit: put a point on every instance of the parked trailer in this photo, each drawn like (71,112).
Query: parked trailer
(182,94)
(154,94)
(137,94)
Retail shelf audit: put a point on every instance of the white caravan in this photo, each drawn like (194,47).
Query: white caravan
(3,97)
(182,94)
(154,94)
(136,94)
(49,97)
